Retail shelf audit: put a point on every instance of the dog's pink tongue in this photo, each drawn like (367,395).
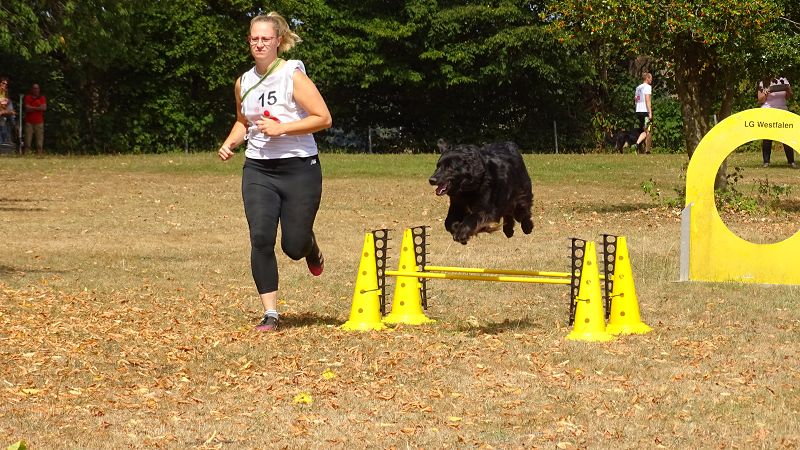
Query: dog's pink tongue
(441,188)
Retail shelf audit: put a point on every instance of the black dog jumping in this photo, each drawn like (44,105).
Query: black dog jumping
(485,184)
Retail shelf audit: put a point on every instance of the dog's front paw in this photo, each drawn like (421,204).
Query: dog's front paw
(461,238)
(452,225)
(461,234)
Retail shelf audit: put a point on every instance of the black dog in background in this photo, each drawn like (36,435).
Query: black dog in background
(622,138)
(485,184)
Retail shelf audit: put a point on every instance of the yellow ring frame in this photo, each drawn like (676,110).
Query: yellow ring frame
(714,252)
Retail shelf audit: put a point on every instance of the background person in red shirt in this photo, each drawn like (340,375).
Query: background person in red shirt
(35,106)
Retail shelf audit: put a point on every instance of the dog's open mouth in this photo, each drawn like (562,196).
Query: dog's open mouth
(441,188)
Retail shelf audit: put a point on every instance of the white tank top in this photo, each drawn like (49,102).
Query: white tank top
(276,95)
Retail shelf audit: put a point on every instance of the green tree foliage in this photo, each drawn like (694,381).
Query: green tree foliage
(134,76)
(704,44)
(152,76)
(363,56)
(187,54)
(21,24)
(496,72)
(146,76)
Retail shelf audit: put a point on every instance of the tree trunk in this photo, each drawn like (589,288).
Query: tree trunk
(726,106)
(728,97)
(696,81)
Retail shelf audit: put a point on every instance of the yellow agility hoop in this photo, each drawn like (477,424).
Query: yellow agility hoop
(709,250)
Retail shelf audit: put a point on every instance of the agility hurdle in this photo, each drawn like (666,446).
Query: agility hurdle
(420,234)
(588,304)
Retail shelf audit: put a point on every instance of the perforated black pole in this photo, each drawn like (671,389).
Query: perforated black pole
(381,238)
(420,236)
(609,259)
(578,250)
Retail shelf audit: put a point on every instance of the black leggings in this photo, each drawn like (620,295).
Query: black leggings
(284,190)
(766,152)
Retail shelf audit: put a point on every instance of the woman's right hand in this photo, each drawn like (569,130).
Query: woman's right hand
(225,153)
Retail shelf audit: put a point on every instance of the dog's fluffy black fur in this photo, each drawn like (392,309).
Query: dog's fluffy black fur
(485,184)
(622,138)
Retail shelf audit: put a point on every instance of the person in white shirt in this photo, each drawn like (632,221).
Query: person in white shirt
(775,93)
(644,108)
(277,109)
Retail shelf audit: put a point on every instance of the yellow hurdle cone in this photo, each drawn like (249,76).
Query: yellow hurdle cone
(624,317)
(407,301)
(590,322)
(365,314)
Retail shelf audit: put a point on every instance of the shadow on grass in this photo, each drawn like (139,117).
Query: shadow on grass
(305,320)
(499,327)
(16,205)
(614,208)
(3,208)
(772,208)
(789,206)
(8,270)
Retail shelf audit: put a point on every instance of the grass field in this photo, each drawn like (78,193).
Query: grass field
(127,307)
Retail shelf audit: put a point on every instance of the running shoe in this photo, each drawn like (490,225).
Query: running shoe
(315,260)
(268,323)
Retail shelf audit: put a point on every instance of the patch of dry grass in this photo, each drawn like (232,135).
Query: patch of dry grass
(126,309)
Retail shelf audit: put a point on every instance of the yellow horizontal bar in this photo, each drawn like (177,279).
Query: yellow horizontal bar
(453,276)
(533,273)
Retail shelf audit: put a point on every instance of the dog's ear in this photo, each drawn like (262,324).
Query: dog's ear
(512,146)
(442,145)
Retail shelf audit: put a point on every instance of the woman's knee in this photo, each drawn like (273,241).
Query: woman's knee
(262,241)
(296,248)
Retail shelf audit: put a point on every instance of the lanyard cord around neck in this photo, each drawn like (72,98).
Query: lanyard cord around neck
(269,71)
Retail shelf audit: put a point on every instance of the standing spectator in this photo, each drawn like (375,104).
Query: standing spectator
(775,93)
(278,108)
(644,108)
(35,106)
(7,113)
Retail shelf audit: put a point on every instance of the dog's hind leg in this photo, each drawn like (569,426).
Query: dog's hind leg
(508,225)
(527,225)
(523,215)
